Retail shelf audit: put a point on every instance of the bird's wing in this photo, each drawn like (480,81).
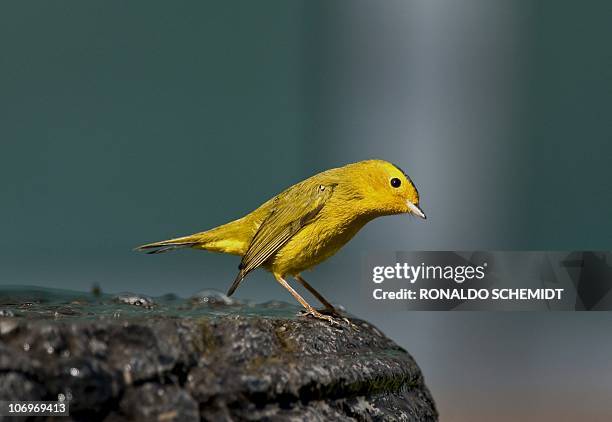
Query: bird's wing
(291,211)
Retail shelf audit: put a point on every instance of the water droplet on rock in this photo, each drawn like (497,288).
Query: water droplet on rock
(211,297)
(134,299)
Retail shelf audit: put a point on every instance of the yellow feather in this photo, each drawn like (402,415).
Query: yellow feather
(321,223)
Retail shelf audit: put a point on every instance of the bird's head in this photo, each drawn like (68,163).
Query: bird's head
(385,188)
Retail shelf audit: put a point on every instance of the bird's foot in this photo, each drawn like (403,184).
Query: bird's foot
(330,315)
(335,313)
(316,314)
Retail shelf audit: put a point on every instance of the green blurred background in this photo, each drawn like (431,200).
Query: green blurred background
(128,122)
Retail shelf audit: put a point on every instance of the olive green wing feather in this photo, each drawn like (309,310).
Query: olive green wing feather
(291,211)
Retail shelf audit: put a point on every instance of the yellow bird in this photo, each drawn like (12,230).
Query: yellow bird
(307,223)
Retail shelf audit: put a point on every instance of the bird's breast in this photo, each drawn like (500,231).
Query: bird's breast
(314,243)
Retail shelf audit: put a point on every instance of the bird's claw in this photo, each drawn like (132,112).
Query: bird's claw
(333,312)
(316,314)
(333,320)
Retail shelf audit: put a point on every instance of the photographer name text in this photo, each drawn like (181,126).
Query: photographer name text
(458,274)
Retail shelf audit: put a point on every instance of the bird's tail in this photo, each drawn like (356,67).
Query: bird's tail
(232,238)
(169,245)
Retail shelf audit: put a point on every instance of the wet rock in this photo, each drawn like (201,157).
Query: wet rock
(15,384)
(243,364)
(6,326)
(155,402)
(67,310)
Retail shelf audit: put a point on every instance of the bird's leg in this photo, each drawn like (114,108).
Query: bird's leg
(329,308)
(309,309)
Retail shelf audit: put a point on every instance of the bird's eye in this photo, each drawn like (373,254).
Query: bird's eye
(395,182)
(321,188)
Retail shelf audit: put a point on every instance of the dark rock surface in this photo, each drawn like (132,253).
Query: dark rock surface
(216,360)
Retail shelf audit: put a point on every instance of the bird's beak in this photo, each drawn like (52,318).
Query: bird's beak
(416,210)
